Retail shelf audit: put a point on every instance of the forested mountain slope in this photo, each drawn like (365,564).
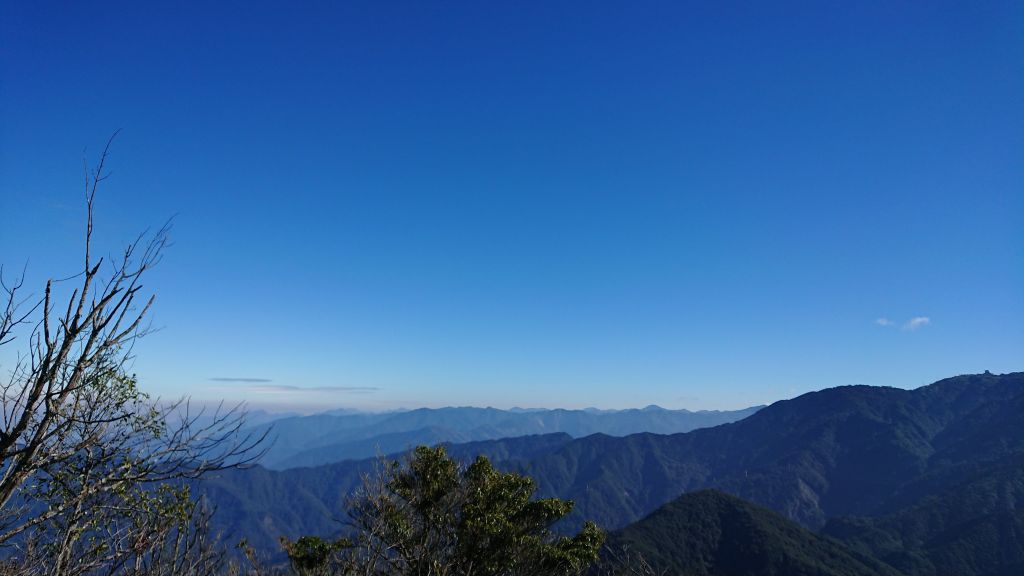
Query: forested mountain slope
(972,521)
(710,533)
(853,450)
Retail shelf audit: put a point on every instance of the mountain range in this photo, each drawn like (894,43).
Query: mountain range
(336,436)
(918,480)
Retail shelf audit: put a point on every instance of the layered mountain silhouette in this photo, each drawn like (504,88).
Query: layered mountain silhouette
(920,479)
(333,437)
(852,450)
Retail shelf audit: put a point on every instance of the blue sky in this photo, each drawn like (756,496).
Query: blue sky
(382,204)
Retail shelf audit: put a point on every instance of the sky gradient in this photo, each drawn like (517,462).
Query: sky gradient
(559,204)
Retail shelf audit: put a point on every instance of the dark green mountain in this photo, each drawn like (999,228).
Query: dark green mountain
(710,533)
(852,450)
(976,524)
(975,528)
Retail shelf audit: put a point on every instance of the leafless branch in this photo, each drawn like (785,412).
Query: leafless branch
(85,456)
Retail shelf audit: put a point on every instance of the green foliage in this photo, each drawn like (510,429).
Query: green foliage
(311,555)
(430,516)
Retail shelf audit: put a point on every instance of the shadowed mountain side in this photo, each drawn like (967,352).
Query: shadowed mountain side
(710,533)
(840,451)
(975,527)
(326,438)
(260,506)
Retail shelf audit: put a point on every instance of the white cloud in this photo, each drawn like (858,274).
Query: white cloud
(917,322)
(884,322)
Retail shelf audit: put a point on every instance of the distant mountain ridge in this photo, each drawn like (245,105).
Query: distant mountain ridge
(332,436)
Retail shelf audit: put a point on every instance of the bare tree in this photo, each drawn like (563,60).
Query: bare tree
(623,561)
(93,471)
(187,549)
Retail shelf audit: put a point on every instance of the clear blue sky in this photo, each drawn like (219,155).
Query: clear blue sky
(702,205)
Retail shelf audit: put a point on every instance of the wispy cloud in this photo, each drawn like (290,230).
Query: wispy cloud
(909,326)
(300,390)
(916,322)
(237,379)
